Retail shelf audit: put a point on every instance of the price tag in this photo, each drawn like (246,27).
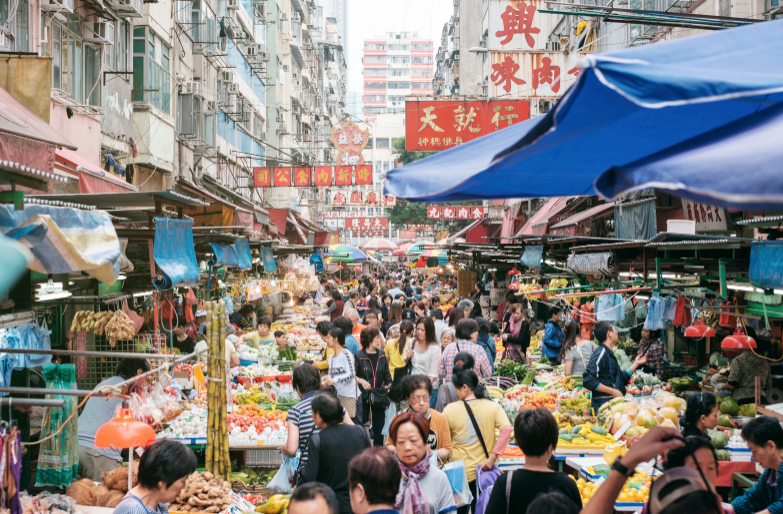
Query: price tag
(259,443)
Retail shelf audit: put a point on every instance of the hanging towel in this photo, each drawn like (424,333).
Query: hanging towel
(669,306)
(655,310)
(682,312)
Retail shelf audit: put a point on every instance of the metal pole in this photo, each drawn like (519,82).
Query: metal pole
(86,353)
(32,402)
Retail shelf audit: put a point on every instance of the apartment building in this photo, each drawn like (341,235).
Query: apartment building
(168,92)
(395,65)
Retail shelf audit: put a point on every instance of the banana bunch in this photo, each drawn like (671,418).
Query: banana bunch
(495,392)
(90,322)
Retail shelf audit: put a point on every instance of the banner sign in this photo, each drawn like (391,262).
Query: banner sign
(407,234)
(360,226)
(418,228)
(350,140)
(458,212)
(708,218)
(355,197)
(318,176)
(434,125)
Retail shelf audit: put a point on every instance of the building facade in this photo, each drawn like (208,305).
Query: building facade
(395,65)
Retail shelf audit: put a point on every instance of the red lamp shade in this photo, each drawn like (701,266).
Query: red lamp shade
(339,266)
(735,344)
(514,271)
(699,329)
(513,286)
(124,432)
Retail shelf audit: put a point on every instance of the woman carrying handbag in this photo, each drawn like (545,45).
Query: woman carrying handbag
(342,373)
(374,380)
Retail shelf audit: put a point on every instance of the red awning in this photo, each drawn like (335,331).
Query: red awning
(92,179)
(21,121)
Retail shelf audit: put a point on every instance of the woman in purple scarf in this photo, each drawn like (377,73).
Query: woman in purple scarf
(424,488)
(516,338)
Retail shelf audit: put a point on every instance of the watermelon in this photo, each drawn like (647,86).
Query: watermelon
(718,438)
(724,421)
(722,455)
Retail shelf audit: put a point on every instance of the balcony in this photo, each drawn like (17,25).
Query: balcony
(128,8)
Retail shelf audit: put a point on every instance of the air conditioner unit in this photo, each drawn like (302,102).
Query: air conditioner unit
(283,16)
(57,5)
(232,5)
(259,10)
(247,107)
(297,83)
(285,68)
(227,77)
(193,87)
(232,88)
(212,106)
(102,32)
(264,56)
(251,50)
(294,75)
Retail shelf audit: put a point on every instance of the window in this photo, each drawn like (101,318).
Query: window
(17,37)
(398,47)
(421,85)
(56,56)
(92,73)
(122,47)
(374,110)
(396,98)
(399,73)
(375,59)
(374,73)
(421,60)
(421,73)
(399,59)
(374,98)
(399,85)
(67,60)
(151,69)
(381,142)
(370,46)
(182,11)
(109,56)
(375,85)
(202,23)
(420,46)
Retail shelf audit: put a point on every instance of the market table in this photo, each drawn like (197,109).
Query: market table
(726,470)
(745,480)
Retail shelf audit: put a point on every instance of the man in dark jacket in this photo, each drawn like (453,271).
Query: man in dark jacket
(603,376)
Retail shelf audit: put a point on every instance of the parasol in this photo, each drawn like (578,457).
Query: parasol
(430,259)
(378,244)
(345,253)
(421,246)
(402,249)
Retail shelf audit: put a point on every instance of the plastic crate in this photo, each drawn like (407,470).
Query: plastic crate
(264,458)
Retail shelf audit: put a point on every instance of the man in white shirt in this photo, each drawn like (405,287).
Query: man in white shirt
(397,290)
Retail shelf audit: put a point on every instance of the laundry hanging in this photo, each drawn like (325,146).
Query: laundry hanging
(58,460)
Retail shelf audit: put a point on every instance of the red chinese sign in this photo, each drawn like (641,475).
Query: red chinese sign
(433,212)
(302,177)
(350,140)
(381,224)
(433,125)
(518,20)
(262,177)
(282,177)
(452,212)
(515,25)
(407,234)
(323,176)
(363,175)
(343,176)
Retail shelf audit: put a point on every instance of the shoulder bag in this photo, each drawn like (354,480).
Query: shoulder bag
(298,473)
(378,396)
(395,393)
(508,490)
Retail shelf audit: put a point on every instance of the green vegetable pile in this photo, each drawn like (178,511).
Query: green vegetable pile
(511,369)
(250,477)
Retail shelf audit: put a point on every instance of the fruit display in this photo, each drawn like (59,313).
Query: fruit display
(585,435)
(203,492)
(718,438)
(545,399)
(636,489)
(190,424)
(253,397)
(274,505)
(186,368)
(512,451)
(659,410)
(579,403)
(573,382)
(257,425)
(642,384)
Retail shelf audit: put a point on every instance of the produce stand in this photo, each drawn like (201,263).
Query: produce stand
(741,480)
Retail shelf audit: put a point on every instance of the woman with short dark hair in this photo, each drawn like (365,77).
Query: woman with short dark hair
(535,431)
(163,471)
(330,449)
(306,382)
(374,480)
(374,379)
(336,308)
(425,488)
(342,372)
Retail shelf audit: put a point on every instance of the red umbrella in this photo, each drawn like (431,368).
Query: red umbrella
(378,244)
(402,250)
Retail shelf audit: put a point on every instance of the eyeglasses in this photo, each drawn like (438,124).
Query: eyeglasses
(418,399)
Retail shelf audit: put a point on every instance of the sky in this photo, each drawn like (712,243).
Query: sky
(367,18)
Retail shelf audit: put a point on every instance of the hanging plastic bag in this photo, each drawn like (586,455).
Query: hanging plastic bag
(137,320)
(58,460)
(190,301)
(458,479)
(281,482)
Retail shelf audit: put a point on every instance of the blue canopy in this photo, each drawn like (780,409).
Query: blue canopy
(225,255)
(625,106)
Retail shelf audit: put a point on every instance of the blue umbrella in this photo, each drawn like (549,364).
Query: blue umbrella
(738,159)
(625,106)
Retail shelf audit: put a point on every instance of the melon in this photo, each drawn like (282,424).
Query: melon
(729,406)
(718,438)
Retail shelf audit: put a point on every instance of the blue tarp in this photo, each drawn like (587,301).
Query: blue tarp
(766,263)
(244,258)
(225,255)
(175,254)
(532,256)
(268,258)
(625,106)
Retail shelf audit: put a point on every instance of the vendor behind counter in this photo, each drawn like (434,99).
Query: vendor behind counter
(260,336)
(93,460)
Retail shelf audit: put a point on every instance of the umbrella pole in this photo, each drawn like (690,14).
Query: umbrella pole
(130,468)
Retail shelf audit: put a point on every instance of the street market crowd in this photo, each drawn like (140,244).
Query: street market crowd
(401,392)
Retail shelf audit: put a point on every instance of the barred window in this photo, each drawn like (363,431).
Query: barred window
(375,85)
(375,59)
(399,85)
(374,73)
(421,85)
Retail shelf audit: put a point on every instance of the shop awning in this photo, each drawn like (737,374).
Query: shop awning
(20,121)
(625,106)
(92,179)
(586,215)
(536,224)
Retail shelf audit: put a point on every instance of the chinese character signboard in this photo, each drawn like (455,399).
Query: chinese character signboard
(433,125)
(515,25)
(407,234)
(262,177)
(708,218)
(342,176)
(282,177)
(540,75)
(363,175)
(323,176)
(350,140)
(459,212)
(368,224)
(355,197)
(301,177)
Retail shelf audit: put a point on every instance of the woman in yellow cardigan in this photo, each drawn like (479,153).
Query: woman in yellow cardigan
(323,328)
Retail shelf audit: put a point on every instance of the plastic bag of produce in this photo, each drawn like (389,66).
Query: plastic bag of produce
(630,409)
(643,416)
(458,479)
(281,483)
(668,423)
(669,413)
